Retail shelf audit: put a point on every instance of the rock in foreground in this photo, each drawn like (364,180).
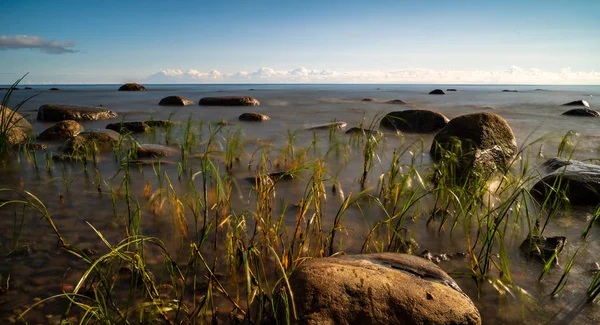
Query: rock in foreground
(89,141)
(132,86)
(18,127)
(57,113)
(175,101)
(62,130)
(543,248)
(385,288)
(229,101)
(415,121)
(156,150)
(482,142)
(582,112)
(579,182)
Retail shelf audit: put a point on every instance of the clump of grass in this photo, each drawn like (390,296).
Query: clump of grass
(9,118)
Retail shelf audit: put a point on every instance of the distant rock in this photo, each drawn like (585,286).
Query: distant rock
(482,142)
(582,112)
(509,91)
(367,100)
(132,86)
(156,150)
(327,126)
(28,88)
(578,103)
(577,182)
(450,89)
(437,92)
(384,288)
(53,89)
(62,130)
(18,127)
(175,101)
(229,101)
(415,121)
(543,248)
(362,131)
(253,117)
(395,102)
(88,141)
(129,127)
(56,113)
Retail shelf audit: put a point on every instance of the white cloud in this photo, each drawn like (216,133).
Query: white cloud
(34,42)
(511,75)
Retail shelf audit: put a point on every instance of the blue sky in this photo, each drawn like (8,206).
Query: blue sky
(330,41)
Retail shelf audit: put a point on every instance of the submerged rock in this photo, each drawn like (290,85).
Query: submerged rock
(254,117)
(132,86)
(437,92)
(18,127)
(363,131)
(415,121)
(175,101)
(129,127)
(582,112)
(543,248)
(450,89)
(385,288)
(576,182)
(577,103)
(229,101)
(156,150)
(367,100)
(62,130)
(91,140)
(160,123)
(395,102)
(509,91)
(482,142)
(327,126)
(56,113)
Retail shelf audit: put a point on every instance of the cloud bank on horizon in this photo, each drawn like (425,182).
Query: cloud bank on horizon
(35,42)
(512,75)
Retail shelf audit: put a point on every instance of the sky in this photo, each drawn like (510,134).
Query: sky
(325,41)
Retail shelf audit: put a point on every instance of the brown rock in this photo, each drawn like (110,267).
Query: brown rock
(416,121)
(132,86)
(254,117)
(91,140)
(17,126)
(385,288)
(229,101)
(129,127)
(56,113)
(62,130)
(363,131)
(156,150)
(175,101)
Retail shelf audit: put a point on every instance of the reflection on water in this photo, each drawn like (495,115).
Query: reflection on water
(78,194)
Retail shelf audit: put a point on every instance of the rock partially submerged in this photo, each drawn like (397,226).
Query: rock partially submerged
(253,117)
(18,127)
(129,127)
(132,86)
(91,140)
(543,248)
(578,103)
(329,126)
(582,112)
(437,92)
(482,142)
(156,151)
(577,182)
(385,288)
(56,113)
(62,130)
(415,121)
(229,101)
(395,102)
(363,131)
(160,123)
(175,101)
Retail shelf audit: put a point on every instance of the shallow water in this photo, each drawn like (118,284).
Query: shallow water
(71,193)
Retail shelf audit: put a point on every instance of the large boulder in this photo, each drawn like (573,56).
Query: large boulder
(62,130)
(385,288)
(577,182)
(229,101)
(90,141)
(129,127)
(482,142)
(253,117)
(132,86)
(581,112)
(437,92)
(415,121)
(56,113)
(578,103)
(175,101)
(17,126)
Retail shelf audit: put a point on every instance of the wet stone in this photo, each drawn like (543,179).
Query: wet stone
(129,127)
(543,248)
